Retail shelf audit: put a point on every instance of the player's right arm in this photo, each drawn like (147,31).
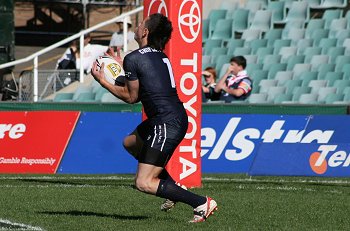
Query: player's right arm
(129,93)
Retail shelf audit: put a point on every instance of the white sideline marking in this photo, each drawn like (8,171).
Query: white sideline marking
(218,179)
(22,226)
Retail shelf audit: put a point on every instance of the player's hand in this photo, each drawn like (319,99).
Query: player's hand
(97,72)
(117,57)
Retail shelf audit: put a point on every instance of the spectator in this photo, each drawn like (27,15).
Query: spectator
(91,53)
(209,75)
(68,59)
(117,40)
(235,84)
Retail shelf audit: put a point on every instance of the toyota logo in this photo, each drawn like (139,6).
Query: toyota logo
(157,6)
(189,20)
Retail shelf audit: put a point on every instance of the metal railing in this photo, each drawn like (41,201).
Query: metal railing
(80,35)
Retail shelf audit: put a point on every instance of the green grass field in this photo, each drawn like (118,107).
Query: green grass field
(75,202)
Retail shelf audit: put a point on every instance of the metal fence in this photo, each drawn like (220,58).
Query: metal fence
(49,82)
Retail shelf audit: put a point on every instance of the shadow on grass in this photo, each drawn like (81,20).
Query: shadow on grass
(94,214)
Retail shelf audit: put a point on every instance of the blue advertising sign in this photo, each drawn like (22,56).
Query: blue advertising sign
(230,142)
(322,151)
(96,144)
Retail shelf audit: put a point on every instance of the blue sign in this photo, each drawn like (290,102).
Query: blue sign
(96,144)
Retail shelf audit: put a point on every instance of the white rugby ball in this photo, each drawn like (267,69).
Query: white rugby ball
(112,68)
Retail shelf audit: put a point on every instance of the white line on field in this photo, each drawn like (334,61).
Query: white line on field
(19,226)
(218,179)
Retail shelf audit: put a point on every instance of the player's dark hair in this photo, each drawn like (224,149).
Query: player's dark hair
(240,60)
(160,29)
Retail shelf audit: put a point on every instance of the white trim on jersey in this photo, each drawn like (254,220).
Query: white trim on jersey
(161,149)
(155,134)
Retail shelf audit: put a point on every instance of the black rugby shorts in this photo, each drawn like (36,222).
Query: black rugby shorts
(160,140)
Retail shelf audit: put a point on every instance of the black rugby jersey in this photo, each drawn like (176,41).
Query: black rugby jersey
(157,90)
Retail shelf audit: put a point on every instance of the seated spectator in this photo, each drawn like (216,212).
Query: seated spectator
(235,84)
(209,75)
(68,59)
(91,53)
(117,40)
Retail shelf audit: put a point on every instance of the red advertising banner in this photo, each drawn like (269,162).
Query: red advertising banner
(34,142)
(185,53)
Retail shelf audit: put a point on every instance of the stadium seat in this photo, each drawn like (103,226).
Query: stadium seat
(329,15)
(251,58)
(282,98)
(341,35)
(314,4)
(326,43)
(346,45)
(317,84)
(332,76)
(210,44)
(250,34)
(230,6)
(295,34)
(318,60)
(253,67)
(232,44)
(262,21)
(336,25)
(99,93)
(256,44)
(340,61)
(346,70)
(309,52)
(323,92)
(240,21)
(307,76)
(263,84)
(283,76)
(303,44)
(324,69)
(109,98)
(340,85)
(276,68)
(205,30)
(272,35)
(220,61)
(222,72)
(257,98)
(60,97)
(222,30)
(314,23)
(335,52)
(242,51)
(278,11)
(295,24)
(298,91)
(309,98)
(262,52)
(258,75)
(253,7)
(281,43)
(271,60)
(333,97)
(327,4)
(292,84)
(294,59)
(216,51)
(300,68)
(319,34)
(287,52)
(213,17)
(86,97)
(299,10)
(274,91)
(81,89)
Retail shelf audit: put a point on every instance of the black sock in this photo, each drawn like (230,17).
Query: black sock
(164,175)
(169,190)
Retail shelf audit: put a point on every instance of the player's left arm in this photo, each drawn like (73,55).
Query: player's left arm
(243,88)
(129,92)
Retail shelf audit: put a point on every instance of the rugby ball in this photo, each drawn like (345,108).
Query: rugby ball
(112,69)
